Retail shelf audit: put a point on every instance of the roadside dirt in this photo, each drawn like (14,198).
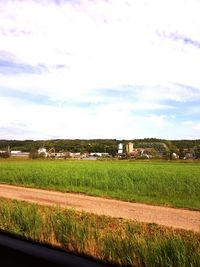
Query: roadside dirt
(177,218)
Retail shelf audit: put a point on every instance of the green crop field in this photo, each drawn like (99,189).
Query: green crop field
(116,241)
(164,183)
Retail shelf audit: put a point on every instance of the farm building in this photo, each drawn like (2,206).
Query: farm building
(19,154)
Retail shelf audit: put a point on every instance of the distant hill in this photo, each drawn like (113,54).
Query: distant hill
(99,145)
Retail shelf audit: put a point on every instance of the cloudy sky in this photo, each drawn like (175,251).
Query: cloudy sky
(99,69)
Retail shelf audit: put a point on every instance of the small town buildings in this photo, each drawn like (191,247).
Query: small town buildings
(19,154)
(60,155)
(131,152)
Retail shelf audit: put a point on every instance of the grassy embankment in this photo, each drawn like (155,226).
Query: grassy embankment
(116,241)
(162,183)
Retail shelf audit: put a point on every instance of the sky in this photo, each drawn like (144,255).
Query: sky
(87,69)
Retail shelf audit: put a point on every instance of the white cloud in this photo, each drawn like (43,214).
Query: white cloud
(99,45)
(197,127)
(30,121)
(188,122)
(123,48)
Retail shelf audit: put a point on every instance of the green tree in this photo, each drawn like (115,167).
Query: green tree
(33,154)
(197,152)
(181,153)
(4,155)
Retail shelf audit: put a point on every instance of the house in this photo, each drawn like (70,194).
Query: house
(189,156)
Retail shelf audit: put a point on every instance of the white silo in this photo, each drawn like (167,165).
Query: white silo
(120,148)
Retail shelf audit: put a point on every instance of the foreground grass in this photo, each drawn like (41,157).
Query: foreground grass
(115,241)
(162,183)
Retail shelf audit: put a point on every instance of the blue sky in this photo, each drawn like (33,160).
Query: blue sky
(99,69)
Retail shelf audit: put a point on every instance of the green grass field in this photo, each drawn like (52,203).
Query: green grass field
(164,183)
(120,242)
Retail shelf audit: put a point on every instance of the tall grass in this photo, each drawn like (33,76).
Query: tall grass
(171,184)
(115,241)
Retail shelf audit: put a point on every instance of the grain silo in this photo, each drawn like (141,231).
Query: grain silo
(129,147)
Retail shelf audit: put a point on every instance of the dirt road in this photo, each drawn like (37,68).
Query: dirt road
(177,218)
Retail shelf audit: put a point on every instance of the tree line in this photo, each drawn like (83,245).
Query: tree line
(162,147)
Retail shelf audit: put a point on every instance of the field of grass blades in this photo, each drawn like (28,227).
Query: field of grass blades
(116,241)
(159,183)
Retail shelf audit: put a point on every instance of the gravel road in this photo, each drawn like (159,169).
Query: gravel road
(177,218)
